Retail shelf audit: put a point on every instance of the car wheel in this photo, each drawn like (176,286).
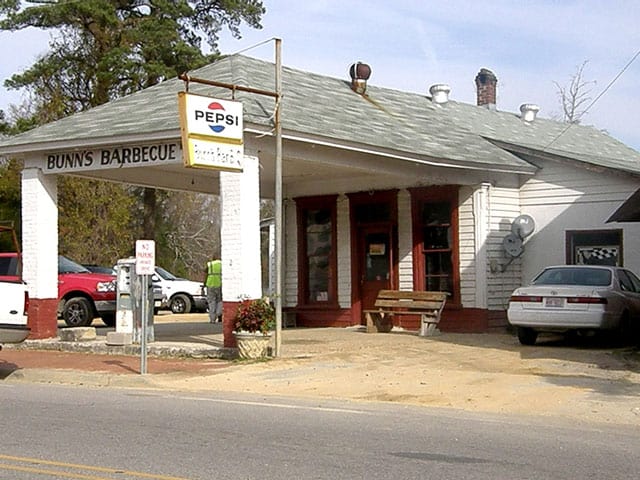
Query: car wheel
(77,312)
(109,319)
(527,336)
(180,304)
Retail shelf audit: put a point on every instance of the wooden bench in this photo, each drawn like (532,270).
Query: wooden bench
(428,305)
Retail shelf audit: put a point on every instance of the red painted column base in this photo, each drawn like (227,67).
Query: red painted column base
(228,313)
(43,318)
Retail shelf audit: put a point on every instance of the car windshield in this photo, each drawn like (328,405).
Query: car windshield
(69,266)
(593,277)
(164,274)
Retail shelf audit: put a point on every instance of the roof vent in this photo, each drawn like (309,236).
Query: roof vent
(439,93)
(360,73)
(529,111)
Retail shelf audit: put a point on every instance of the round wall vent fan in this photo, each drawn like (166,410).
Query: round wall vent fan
(512,245)
(523,226)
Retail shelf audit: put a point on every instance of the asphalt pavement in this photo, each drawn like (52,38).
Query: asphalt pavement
(583,380)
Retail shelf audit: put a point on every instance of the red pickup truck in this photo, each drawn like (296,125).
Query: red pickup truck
(82,295)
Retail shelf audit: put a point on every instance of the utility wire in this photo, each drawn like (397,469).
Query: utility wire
(633,59)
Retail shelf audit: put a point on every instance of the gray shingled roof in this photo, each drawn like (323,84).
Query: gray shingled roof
(400,123)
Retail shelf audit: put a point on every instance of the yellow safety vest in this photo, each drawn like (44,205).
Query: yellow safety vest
(214,273)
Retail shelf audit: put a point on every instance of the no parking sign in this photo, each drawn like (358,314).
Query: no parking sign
(145,257)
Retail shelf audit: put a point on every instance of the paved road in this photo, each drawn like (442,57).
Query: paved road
(126,433)
(587,381)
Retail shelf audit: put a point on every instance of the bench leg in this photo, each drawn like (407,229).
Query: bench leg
(428,327)
(378,322)
(371,325)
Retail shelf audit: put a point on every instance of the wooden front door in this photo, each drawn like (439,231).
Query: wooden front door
(375,265)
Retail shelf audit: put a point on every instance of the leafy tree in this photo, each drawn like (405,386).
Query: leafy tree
(575,97)
(100,242)
(10,198)
(104,49)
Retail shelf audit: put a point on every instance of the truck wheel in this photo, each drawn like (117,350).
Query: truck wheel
(180,304)
(77,312)
(527,336)
(109,319)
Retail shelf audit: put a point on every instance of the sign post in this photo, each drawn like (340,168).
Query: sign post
(145,266)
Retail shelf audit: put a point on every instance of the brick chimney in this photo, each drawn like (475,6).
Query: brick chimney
(486,83)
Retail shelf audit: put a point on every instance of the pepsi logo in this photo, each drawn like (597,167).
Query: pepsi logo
(217,117)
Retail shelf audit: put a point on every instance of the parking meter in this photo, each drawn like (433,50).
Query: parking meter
(129,302)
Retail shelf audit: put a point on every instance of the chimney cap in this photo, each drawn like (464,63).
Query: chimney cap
(440,93)
(485,76)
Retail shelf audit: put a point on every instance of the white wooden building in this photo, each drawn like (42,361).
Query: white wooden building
(382,189)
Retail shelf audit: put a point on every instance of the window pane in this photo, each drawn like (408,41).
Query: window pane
(595,247)
(436,213)
(318,233)
(437,243)
(377,257)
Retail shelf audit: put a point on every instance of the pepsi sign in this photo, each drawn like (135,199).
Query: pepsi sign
(212,132)
(213,117)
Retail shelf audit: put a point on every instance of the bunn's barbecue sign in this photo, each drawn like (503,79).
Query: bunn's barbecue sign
(212,132)
(116,157)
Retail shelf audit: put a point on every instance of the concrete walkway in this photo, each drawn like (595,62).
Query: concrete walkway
(589,380)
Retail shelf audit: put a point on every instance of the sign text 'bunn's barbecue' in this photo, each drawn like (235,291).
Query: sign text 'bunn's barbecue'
(117,157)
(212,132)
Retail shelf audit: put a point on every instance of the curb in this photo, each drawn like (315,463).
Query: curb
(158,349)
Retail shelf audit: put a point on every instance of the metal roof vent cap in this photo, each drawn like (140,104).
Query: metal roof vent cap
(439,93)
(359,73)
(529,111)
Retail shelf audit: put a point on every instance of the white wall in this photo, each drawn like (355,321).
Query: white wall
(290,255)
(40,232)
(405,242)
(344,252)
(565,197)
(504,207)
(240,232)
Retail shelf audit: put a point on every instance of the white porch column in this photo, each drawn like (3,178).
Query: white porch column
(40,249)
(481,217)
(240,239)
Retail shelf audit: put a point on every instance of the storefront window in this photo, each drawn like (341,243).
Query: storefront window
(317,250)
(318,232)
(435,240)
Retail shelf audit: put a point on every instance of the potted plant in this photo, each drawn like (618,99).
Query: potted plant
(252,325)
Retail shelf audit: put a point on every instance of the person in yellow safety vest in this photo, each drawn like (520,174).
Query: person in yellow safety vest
(213,282)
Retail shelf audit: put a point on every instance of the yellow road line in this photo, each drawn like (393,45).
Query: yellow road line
(118,471)
(56,473)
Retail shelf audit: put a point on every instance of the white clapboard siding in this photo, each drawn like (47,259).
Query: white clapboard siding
(290,255)
(344,252)
(405,242)
(466,235)
(504,208)
(563,197)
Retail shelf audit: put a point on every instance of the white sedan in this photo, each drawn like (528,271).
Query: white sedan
(572,298)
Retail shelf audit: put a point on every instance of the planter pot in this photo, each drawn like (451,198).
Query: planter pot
(252,345)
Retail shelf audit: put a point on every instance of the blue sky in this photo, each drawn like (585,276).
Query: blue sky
(413,44)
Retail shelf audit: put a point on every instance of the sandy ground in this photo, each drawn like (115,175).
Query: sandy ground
(588,379)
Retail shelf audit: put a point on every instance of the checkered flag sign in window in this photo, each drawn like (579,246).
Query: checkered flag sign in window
(604,255)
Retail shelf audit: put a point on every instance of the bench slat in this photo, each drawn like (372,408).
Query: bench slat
(401,294)
(419,304)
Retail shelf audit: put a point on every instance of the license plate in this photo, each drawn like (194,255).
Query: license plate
(554,302)
(157,303)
